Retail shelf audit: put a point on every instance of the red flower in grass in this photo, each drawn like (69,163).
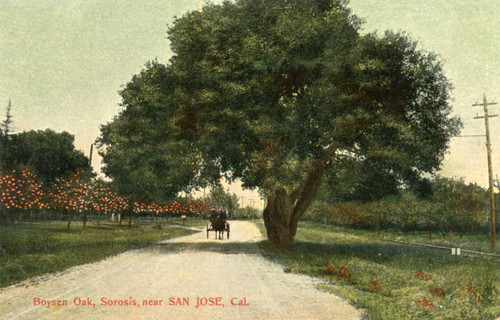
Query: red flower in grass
(424,302)
(470,288)
(374,286)
(344,274)
(423,276)
(330,269)
(438,292)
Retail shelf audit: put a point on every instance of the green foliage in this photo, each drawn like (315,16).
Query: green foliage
(218,197)
(49,154)
(461,203)
(351,180)
(139,147)
(262,90)
(252,81)
(248,213)
(229,202)
(449,204)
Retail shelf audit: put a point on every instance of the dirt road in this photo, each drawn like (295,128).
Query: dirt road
(183,278)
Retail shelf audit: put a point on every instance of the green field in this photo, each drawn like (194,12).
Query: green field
(32,249)
(390,280)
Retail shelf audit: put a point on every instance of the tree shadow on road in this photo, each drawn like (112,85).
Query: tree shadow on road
(217,247)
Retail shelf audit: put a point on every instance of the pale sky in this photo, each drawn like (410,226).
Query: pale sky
(62,62)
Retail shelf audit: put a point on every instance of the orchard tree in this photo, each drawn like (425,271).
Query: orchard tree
(461,204)
(275,92)
(49,154)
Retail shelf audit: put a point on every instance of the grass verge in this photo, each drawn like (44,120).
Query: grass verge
(28,250)
(196,223)
(392,280)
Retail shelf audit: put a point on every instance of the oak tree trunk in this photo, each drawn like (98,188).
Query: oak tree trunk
(284,209)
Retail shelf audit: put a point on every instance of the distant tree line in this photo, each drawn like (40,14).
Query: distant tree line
(443,205)
(50,155)
(219,198)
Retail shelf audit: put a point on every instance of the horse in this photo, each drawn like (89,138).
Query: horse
(218,221)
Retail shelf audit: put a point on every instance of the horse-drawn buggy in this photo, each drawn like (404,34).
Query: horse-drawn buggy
(217,223)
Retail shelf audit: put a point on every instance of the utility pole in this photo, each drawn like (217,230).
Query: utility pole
(91,150)
(490,170)
(229,204)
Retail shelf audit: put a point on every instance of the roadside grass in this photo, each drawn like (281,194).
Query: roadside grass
(190,222)
(393,280)
(475,242)
(28,250)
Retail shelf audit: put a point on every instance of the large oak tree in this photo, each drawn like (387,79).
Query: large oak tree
(273,92)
